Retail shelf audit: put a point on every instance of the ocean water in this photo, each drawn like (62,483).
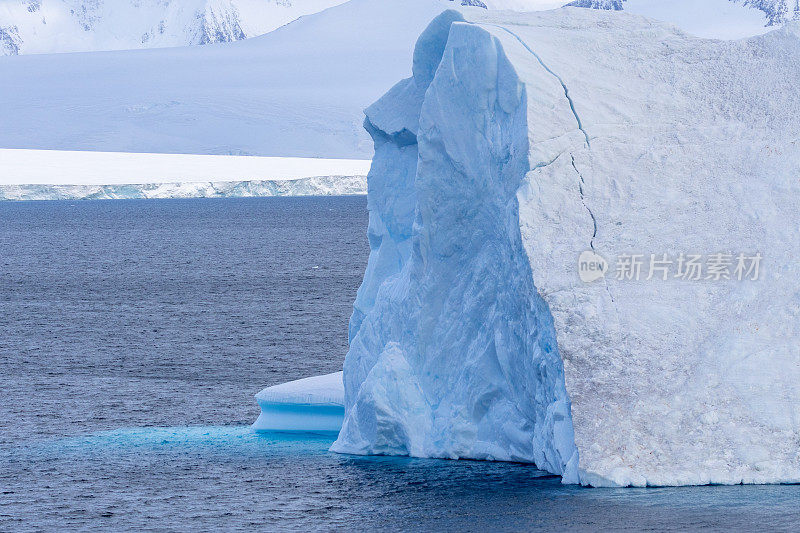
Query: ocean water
(134,334)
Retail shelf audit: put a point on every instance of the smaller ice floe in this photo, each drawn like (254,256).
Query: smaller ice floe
(314,404)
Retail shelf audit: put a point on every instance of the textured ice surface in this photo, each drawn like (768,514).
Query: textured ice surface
(310,404)
(522,141)
(448,310)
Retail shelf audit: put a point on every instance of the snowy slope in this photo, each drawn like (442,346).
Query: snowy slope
(298,91)
(525,142)
(52,26)
(52,175)
(48,26)
(717,19)
(524,5)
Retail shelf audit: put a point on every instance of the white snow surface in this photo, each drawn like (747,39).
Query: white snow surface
(54,167)
(53,26)
(52,174)
(315,390)
(298,91)
(522,141)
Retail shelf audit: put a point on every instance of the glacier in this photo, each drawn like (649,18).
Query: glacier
(312,186)
(521,143)
(76,175)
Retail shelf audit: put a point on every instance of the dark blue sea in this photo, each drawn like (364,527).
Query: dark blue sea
(134,334)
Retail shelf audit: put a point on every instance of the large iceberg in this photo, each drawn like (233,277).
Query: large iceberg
(527,143)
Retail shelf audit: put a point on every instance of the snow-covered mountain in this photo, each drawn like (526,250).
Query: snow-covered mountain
(50,26)
(53,26)
(775,11)
(47,26)
(778,11)
(297,91)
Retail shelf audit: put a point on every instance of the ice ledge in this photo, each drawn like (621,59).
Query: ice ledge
(314,404)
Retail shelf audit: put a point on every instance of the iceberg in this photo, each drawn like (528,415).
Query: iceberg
(314,404)
(519,175)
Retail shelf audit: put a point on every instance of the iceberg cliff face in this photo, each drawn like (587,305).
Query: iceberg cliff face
(521,143)
(448,313)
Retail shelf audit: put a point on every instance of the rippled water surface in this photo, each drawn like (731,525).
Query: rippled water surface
(134,334)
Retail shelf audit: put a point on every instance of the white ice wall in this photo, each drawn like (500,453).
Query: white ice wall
(542,136)
(693,150)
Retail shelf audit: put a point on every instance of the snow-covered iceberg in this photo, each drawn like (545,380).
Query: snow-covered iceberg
(524,143)
(314,404)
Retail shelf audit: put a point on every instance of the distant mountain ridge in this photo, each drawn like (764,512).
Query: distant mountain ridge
(52,26)
(48,26)
(777,11)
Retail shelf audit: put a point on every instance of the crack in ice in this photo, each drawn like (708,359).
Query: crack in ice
(581,183)
(583,201)
(556,76)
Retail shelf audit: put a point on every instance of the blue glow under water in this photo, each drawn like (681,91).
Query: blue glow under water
(134,334)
